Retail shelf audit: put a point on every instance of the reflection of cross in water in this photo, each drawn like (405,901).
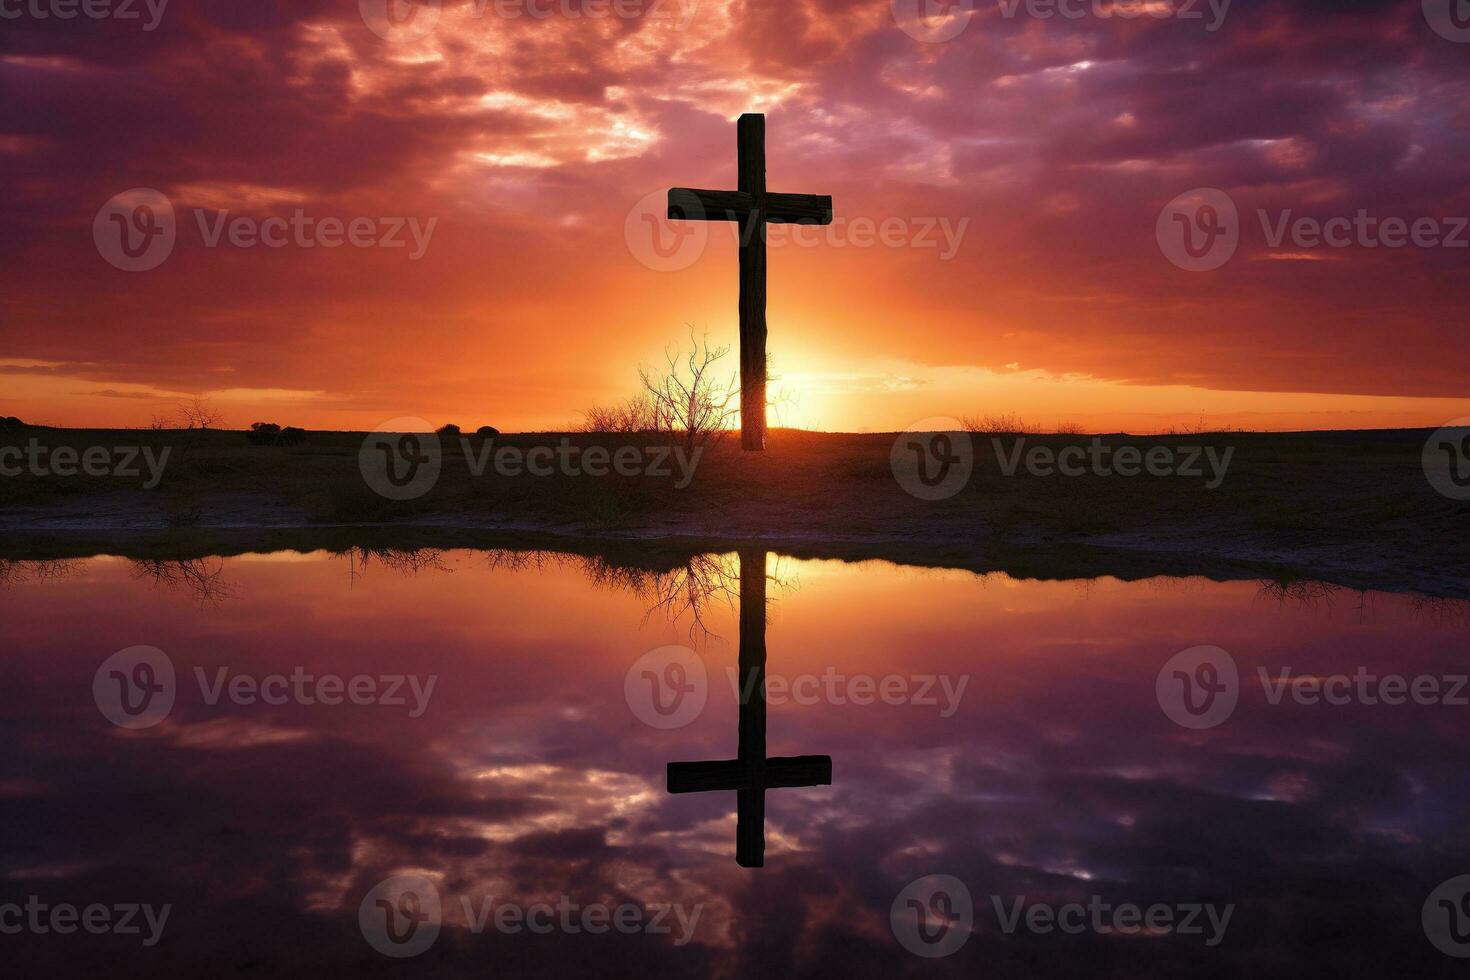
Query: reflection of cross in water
(751,774)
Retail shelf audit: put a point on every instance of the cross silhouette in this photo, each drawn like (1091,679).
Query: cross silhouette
(753,208)
(750,774)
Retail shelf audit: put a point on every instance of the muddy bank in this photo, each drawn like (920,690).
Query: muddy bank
(1352,509)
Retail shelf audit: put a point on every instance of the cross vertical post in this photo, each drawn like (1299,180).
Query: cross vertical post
(750,151)
(752,208)
(750,819)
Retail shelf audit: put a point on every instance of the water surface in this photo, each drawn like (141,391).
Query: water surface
(1005,733)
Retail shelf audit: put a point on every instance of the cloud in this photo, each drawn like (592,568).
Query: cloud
(531,138)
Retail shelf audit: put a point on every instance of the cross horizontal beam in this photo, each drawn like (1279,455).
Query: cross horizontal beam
(782,772)
(693,204)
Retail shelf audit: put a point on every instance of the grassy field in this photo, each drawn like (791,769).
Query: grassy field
(1352,507)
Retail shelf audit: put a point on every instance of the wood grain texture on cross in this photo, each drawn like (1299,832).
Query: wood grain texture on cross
(753,208)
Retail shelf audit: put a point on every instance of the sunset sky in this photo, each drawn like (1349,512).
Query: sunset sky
(530,145)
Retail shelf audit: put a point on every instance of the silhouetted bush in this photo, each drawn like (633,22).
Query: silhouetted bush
(270,434)
(634,415)
(449,430)
(487,430)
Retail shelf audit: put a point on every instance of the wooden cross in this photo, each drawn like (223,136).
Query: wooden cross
(753,208)
(750,774)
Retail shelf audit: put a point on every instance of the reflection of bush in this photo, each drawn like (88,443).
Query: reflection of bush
(203,578)
(687,588)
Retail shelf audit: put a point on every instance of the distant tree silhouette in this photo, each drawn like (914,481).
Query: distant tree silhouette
(291,436)
(448,430)
(199,413)
(487,431)
(263,433)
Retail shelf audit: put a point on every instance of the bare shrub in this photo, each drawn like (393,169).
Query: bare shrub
(683,401)
(1011,424)
(199,413)
(632,416)
(1007,424)
(689,404)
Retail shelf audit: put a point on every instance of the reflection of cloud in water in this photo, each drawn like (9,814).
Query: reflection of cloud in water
(528,778)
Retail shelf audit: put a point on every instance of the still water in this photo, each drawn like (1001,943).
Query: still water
(457,763)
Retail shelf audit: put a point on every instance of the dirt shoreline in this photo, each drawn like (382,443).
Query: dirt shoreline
(1349,509)
(1139,559)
